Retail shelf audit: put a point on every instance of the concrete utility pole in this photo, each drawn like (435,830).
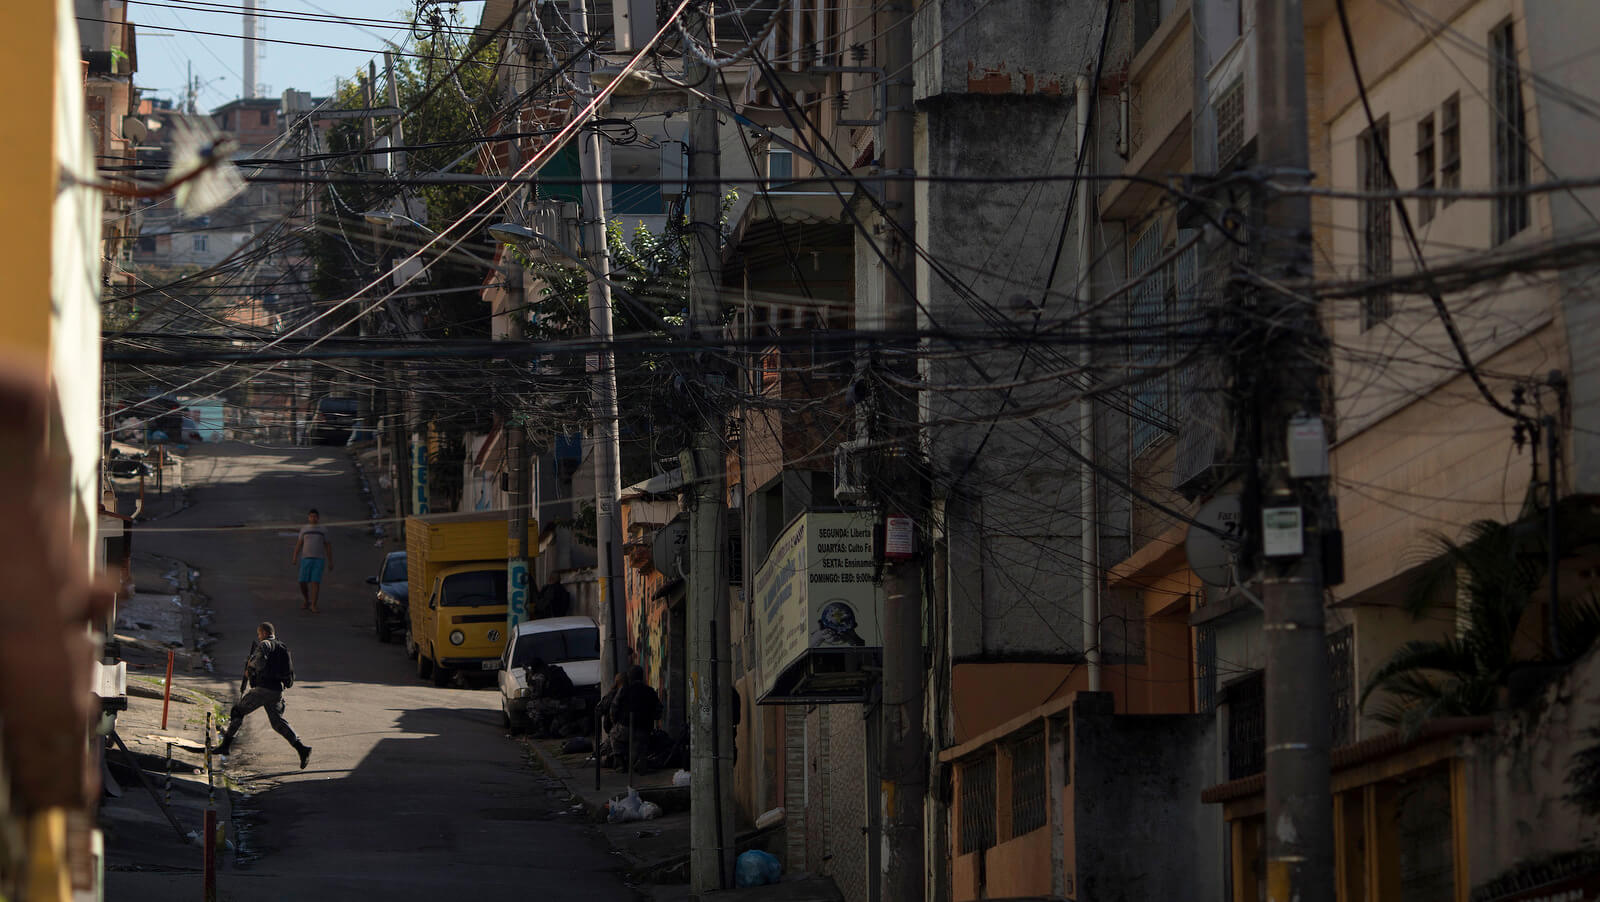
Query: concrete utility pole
(1294,491)
(602,372)
(711,830)
(518,578)
(903,754)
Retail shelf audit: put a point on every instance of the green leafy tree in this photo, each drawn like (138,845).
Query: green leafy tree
(447,110)
(1497,570)
(653,271)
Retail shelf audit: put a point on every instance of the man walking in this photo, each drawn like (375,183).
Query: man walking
(268,670)
(314,553)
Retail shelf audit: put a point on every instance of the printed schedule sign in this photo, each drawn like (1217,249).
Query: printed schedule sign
(815,592)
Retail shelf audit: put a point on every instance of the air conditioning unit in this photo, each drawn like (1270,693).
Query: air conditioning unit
(849,472)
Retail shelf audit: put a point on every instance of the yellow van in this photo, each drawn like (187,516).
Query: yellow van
(456,576)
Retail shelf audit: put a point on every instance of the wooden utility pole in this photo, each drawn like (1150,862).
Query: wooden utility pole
(903,751)
(711,828)
(1294,496)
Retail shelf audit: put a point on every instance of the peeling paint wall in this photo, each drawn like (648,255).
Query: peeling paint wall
(1517,777)
(1138,781)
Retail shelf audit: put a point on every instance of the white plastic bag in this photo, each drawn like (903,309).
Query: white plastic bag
(623,810)
(681,778)
(649,811)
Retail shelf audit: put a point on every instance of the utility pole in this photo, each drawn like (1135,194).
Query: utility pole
(400,408)
(1294,491)
(517,575)
(903,752)
(602,370)
(711,830)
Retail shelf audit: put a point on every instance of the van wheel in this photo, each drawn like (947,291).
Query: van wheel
(425,667)
(442,675)
(411,647)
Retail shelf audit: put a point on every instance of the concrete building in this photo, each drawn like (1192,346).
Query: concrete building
(49,329)
(1418,448)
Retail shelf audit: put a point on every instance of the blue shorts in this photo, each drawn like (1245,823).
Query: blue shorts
(311,570)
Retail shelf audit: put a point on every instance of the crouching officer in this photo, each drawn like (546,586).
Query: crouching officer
(268,670)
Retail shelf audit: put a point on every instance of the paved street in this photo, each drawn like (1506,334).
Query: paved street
(412,792)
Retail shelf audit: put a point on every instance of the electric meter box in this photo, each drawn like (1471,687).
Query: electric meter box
(1308,448)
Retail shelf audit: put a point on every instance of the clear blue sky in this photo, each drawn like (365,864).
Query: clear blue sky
(218,61)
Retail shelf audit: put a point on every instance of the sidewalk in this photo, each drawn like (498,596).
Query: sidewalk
(656,852)
(166,613)
(139,835)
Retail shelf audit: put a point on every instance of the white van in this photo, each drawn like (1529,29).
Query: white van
(572,642)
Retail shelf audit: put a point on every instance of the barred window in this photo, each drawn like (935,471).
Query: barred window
(1341,677)
(1146,311)
(1206,669)
(1425,179)
(1247,726)
(735,549)
(1510,134)
(1028,797)
(978,804)
(1450,146)
(1377,234)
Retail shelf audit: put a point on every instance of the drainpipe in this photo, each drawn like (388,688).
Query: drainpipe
(1088,503)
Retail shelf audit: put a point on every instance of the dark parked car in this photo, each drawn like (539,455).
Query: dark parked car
(390,606)
(128,468)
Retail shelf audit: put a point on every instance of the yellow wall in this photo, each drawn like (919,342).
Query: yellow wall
(27,156)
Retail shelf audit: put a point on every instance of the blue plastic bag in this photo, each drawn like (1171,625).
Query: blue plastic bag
(756,868)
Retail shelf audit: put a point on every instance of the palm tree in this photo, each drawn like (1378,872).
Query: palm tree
(1493,573)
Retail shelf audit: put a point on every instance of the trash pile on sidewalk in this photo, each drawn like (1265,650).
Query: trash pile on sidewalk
(645,819)
(156,621)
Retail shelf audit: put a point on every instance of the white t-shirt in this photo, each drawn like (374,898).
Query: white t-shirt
(314,541)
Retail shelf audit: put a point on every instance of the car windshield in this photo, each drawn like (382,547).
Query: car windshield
(479,587)
(394,570)
(577,644)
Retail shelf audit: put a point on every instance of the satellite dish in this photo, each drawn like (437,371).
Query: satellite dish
(669,549)
(1211,556)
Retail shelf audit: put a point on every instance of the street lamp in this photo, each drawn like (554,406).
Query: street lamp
(390,218)
(511,233)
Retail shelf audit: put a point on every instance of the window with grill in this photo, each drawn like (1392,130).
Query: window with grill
(1341,677)
(1146,312)
(735,549)
(1449,146)
(1206,669)
(1247,726)
(1230,122)
(978,805)
(1065,725)
(1186,325)
(1422,816)
(1028,796)
(1510,134)
(1377,234)
(1425,163)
